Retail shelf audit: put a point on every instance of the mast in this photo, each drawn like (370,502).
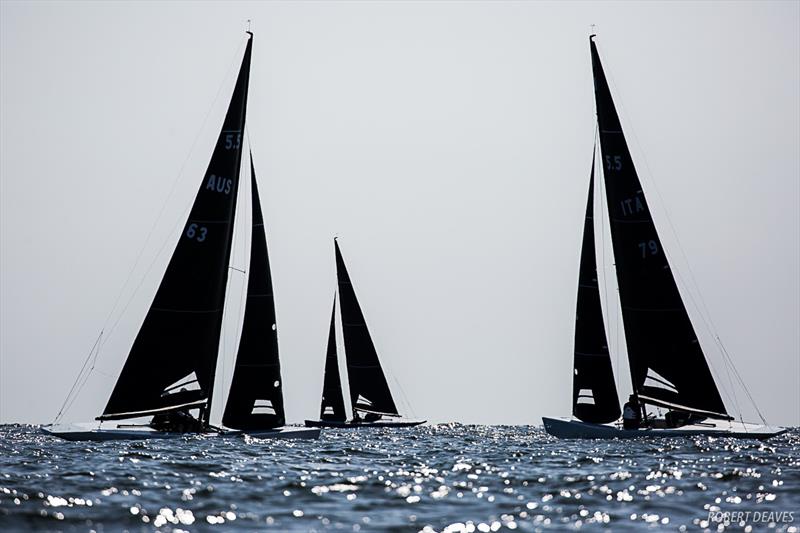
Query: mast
(668,367)
(369,392)
(256,396)
(172,362)
(332,405)
(594,394)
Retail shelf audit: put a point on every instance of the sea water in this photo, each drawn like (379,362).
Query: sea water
(432,478)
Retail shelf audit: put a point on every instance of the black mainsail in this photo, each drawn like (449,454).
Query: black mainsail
(256,398)
(332,405)
(172,362)
(668,367)
(369,392)
(594,394)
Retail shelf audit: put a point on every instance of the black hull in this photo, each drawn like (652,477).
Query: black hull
(362,425)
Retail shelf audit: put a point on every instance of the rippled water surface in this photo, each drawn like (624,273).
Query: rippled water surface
(430,478)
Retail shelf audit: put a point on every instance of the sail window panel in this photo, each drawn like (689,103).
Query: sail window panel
(585,396)
(594,378)
(364,383)
(253,403)
(263,407)
(363,401)
(186,383)
(653,379)
(165,353)
(656,348)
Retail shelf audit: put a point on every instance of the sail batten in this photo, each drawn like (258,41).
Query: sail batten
(180,333)
(592,362)
(658,332)
(257,379)
(365,375)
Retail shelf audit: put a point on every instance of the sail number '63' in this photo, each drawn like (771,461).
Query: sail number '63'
(198,233)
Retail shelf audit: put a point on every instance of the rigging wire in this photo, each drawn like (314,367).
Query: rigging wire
(702,309)
(181,219)
(405,397)
(77,379)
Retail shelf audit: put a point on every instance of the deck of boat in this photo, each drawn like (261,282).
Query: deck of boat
(566,428)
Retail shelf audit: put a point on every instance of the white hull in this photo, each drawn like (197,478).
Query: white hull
(282,433)
(566,428)
(96,432)
(400,423)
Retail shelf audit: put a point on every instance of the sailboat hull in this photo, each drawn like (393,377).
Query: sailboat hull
(362,425)
(565,428)
(94,432)
(283,433)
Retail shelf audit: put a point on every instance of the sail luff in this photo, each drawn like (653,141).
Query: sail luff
(594,393)
(255,400)
(665,356)
(369,391)
(179,337)
(332,404)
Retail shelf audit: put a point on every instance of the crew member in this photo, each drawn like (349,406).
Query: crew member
(631,413)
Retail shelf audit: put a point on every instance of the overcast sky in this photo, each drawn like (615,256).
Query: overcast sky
(448,145)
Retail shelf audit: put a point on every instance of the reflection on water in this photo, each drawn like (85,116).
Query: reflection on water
(433,478)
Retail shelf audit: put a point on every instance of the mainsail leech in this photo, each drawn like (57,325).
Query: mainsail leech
(180,334)
(659,334)
(369,391)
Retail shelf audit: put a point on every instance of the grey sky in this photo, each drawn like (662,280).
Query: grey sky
(447,144)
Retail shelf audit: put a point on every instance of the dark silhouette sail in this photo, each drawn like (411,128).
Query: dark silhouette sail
(594,394)
(332,407)
(172,362)
(369,392)
(668,367)
(256,395)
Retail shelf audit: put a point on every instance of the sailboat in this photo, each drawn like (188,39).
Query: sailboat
(667,364)
(370,397)
(170,370)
